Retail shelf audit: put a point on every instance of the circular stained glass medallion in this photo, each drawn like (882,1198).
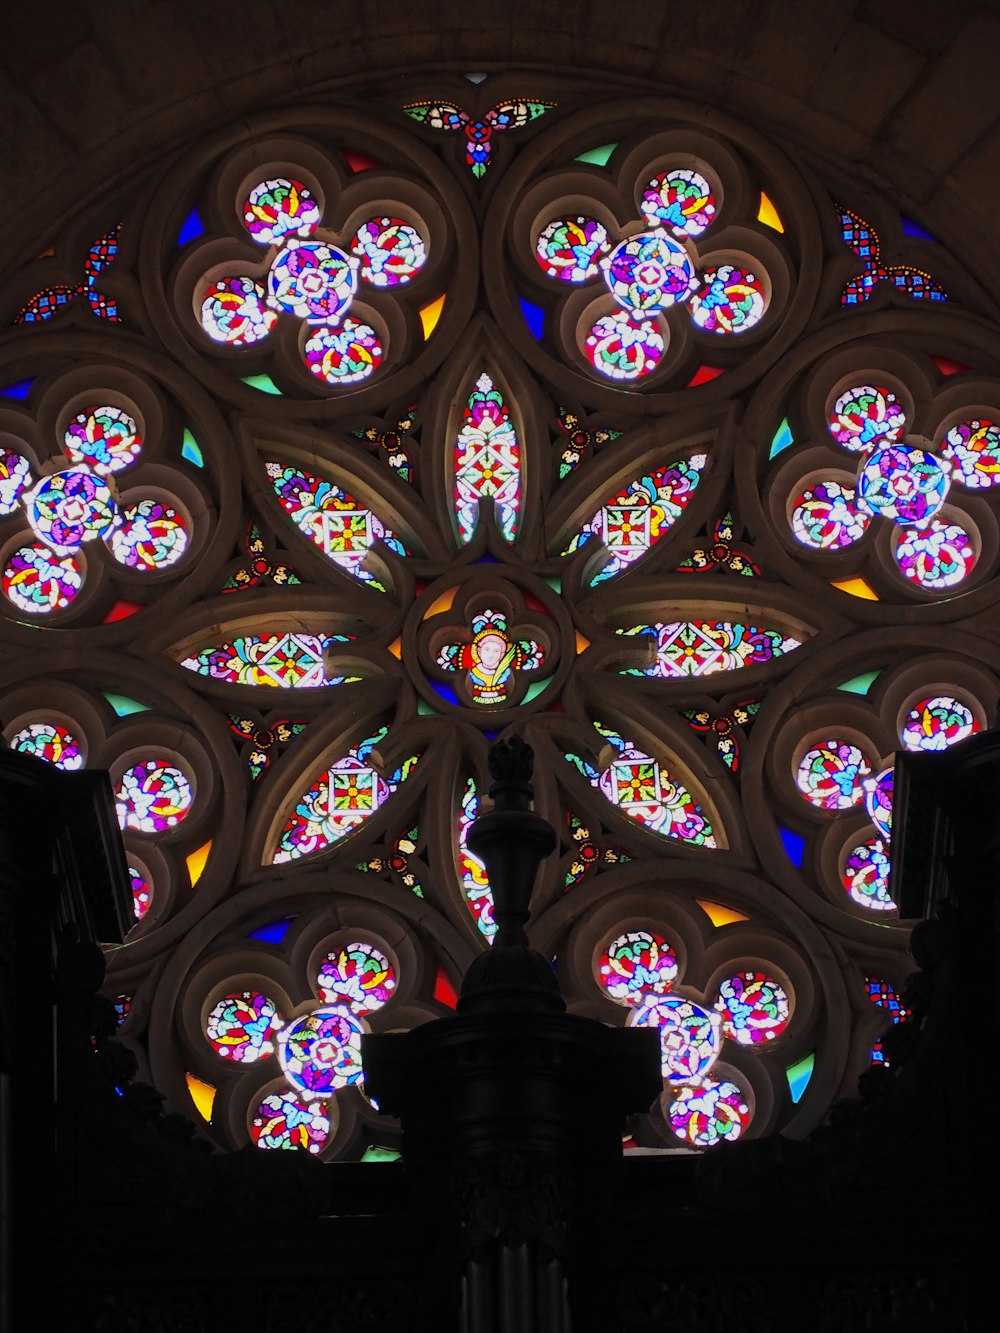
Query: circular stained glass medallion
(866,416)
(903,483)
(649,273)
(277,208)
(51,742)
(153,796)
(105,438)
(623,348)
(284,1121)
(754,1008)
(936,722)
(831,775)
(690,1036)
(568,248)
(313,280)
(234,311)
(391,251)
(151,536)
(826,518)
(70,508)
(15,476)
(38,582)
(358,975)
(728,300)
(345,354)
(973,449)
(866,875)
(241,1025)
(635,964)
(680,200)
(708,1112)
(935,557)
(321,1051)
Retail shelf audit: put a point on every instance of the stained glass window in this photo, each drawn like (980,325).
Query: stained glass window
(478,426)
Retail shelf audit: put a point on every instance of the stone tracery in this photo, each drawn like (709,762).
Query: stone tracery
(378,551)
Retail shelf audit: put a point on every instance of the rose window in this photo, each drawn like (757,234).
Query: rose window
(467,418)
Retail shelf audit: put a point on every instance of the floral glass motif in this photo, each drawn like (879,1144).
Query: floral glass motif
(284,1121)
(865,417)
(633,520)
(341,527)
(903,483)
(263,739)
(234,311)
(973,449)
(725,728)
(472,872)
(861,237)
(721,555)
(321,1051)
(343,355)
(260,566)
(624,348)
(826,518)
(38,582)
(391,251)
(278,208)
(635,964)
(878,800)
(936,556)
(491,660)
(241,1026)
(580,441)
(680,200)
(281,661)
(635,783)
(690,1036)
(754,1008)
(151,536)
(69,508)
(15,476)
(866,875)
(569,248)
(338,802)
(587,855)
(142,893)
(152,796)
(887,997)
(358,975)
(648,273)
(831,775)
(708,1112)
(509,115)
(105,438)
(487,462)
(704,647)
(936,722)
(728,300)
(389,440)
(51,742)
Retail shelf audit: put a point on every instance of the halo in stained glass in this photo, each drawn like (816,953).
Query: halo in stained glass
(105,438)
(635,964)
(51,742)
(277,208)
(936,722)
(728,300)
(708,1112)
(878,800)
(973,449)
(152,796)
(934,557)
(648,273)
(287,1122)
(69,508)
(15,476)
(142,892)
(358,975)
(690,1036)
(866,875)
(38,582)
(312,279)
(321,1051)
(392,252)
(151,536)
(234,311)
(680,200)
(345,354)
(624,348)
(568,248)
(241,1025)
(754,1008)
(865,417)
(831,775)
(826,517)
(903,483)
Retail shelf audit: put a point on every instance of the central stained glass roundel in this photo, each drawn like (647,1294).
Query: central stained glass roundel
(313,280)
(903,483)
(70,508)
(649,272)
